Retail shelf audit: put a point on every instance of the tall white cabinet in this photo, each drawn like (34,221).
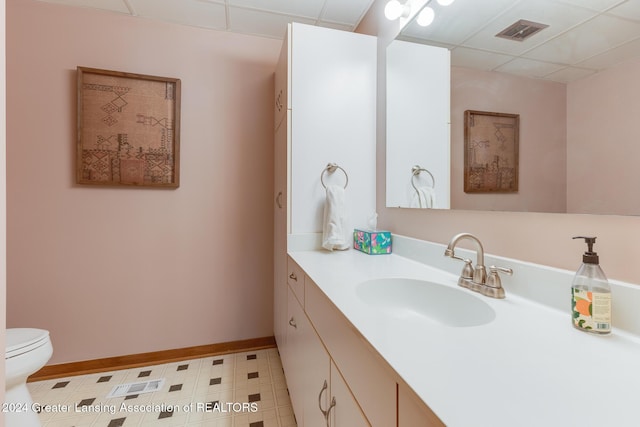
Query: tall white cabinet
(325,107)
(325,112)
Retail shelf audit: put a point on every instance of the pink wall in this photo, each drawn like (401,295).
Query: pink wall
(3,198)
(115,271)
(603,146)
(542,108)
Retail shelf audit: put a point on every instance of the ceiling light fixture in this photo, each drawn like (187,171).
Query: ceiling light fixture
(394,10)
(407,10)
(426,17)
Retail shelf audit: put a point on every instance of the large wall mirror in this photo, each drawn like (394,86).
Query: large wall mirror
(574,84)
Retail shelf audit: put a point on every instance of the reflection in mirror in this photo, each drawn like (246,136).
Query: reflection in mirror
(574,85)
(418,95)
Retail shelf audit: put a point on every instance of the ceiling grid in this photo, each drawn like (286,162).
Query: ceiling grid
(583,36)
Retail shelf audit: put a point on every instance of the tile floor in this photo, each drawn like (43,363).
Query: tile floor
(245,389)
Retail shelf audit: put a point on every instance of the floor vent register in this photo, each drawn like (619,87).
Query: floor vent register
(131,389)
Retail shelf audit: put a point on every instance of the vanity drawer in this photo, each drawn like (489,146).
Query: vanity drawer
(295,279)
(370,379)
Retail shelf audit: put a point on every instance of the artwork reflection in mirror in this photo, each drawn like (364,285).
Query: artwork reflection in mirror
(418,108)
(490,152)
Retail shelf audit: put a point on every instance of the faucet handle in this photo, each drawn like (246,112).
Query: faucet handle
(467,270)
(493,286)
(466,275)
(494,270)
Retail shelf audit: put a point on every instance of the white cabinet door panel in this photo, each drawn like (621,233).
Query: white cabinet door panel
(346,412)
(333,105)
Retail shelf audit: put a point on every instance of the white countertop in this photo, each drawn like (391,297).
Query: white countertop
(528,367)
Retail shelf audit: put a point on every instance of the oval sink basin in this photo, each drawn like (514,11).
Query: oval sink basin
(404,298)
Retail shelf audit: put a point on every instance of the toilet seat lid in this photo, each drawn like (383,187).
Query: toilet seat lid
(22,340)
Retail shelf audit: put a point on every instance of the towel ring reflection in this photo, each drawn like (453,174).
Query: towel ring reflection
(331,168)
(415,171)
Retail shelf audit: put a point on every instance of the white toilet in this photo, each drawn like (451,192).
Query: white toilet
(28,350)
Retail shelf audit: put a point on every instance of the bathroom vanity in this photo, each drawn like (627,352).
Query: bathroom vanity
(333,372)
(392,340)
(390,359)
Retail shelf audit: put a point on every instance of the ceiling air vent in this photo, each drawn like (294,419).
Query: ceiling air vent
(521,30)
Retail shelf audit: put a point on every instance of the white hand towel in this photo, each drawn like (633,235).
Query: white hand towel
(334,235)
(424,197)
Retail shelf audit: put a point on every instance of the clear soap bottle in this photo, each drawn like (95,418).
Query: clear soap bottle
(591,294)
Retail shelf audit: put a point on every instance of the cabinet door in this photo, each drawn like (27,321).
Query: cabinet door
(282,81)
(369,377)
(306,364)
(280,236)
(292,355)
(346,412)
(316,376)
(412,412)
(333,113)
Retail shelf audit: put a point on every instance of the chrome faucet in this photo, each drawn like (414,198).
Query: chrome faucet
(475,278)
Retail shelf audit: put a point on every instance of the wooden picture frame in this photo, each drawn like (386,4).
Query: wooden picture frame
(128,129)
(491,152)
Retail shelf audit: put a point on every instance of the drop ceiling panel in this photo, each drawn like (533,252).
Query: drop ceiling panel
(569,74)
(335,25)
(473,58)
(558,16)
(454,23)
(529,68)
(112,5)
(615,56)
(305,8)
(629,10)
(189,12)
(346,12)
(261,23)
(597,5)
(594,37)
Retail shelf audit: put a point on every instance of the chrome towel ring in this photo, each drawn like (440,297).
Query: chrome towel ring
(415,171)
(331,168)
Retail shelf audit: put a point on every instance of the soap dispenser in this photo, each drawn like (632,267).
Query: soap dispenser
(591,294)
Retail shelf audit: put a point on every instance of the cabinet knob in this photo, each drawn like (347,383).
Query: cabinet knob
(279,200)
(292,322)
(293,276)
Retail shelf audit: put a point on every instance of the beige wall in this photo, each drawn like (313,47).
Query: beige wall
(542,144)
(113,271)
(535,237)
(603,143)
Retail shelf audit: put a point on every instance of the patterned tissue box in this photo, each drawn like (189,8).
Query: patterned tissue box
(372,242)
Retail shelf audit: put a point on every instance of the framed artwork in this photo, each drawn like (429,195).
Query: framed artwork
(128,129)
(490,152)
